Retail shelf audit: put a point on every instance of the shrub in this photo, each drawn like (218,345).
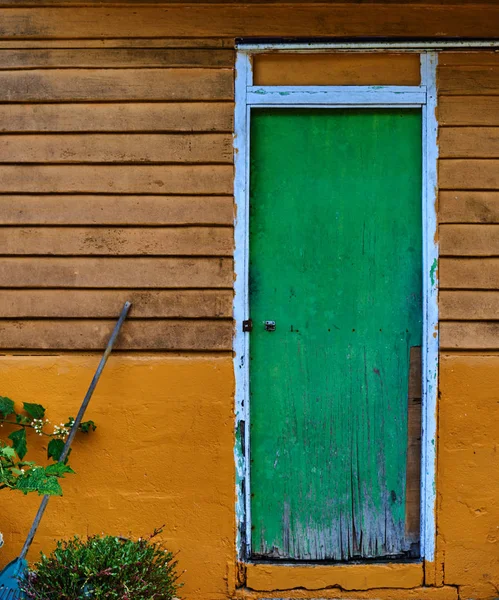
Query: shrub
(104,567)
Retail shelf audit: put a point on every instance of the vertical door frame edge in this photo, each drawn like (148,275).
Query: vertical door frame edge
(241,302)
(424,97)
(429,61)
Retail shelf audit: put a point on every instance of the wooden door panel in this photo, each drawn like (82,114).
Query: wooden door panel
(335,261)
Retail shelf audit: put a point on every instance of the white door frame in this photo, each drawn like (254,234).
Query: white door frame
(423,96)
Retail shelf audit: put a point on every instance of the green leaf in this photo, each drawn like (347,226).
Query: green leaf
(8,452)
(58,469)
(87,426)
(19,442)
(36,411)
(6,406)
(55,448)
(36,480)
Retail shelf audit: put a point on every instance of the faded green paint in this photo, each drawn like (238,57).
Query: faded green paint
(433,270)
(335,260)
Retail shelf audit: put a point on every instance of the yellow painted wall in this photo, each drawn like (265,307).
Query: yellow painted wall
(468,474)
(163,453)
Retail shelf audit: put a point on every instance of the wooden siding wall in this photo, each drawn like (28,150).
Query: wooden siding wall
(116,170)
(116,183)
(469,200)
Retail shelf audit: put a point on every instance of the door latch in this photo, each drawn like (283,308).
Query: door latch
(269,325)
(247,325)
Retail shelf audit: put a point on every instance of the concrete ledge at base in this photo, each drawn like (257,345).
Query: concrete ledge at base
(418,593)
(265,577)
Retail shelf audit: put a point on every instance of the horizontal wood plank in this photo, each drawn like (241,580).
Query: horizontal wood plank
(472,142)
(336,69)
(138,42)
(469,240)
(106,304)
(115,58)
(472,174)
(468,110)
(260,20)
(468,80)
(116,179)
(75,85)
(116,273)
(117,148)
(465,305)
(106,241)
(116,210)
(469,273)
(135,335)
(138,3)
(117,117)
(468,56)
(468,207)
(469,336)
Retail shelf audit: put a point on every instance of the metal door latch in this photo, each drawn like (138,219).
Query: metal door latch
(269,325)
(247,325)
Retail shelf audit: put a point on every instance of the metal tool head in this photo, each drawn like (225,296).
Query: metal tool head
(9,579)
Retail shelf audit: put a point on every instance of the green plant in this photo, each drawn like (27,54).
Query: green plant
(104,567)
(27,476)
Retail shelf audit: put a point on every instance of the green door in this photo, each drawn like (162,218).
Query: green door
(336,263)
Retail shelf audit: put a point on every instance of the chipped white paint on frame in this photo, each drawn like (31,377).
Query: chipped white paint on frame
(430,308)
(424,96)
(240,306)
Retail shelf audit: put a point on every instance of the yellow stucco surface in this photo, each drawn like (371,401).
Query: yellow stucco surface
(468,474)
(163,454)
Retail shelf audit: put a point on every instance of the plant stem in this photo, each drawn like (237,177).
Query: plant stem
(2,421)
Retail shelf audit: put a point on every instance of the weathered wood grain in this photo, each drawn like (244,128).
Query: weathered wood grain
(138,3)
(116,179)
(115,58)
(116,273)
(318,266)
(106,241)
(469,273)
(413,469)
(116,210)
(478,335)
(469,142)
(117,148)
(117,117)
(260,20)
(469,80)
(135,335)
(469,174)
(468,306)
(468,56)
(76,85)
(413,473)
(469,240)
(336,69)
(468,207)
(130,42)
(106,304)
(468,110)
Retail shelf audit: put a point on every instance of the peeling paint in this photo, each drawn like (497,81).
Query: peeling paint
(433,271)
